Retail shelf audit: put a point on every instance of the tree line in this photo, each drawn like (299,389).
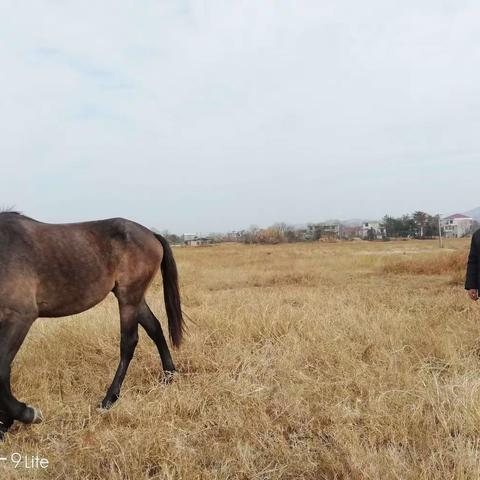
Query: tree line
(417,225)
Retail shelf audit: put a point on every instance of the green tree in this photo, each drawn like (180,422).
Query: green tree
(420,219)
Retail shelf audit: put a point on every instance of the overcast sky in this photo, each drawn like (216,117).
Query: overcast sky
(215,115)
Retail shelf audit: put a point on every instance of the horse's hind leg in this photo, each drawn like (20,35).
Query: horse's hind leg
(6,421)
(13,329)
(128,342)
(150,323)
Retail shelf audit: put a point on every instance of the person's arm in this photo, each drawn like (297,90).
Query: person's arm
(471,282)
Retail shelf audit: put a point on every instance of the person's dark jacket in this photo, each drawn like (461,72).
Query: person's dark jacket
(473,266)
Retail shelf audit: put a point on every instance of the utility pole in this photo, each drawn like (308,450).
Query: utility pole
(440,238)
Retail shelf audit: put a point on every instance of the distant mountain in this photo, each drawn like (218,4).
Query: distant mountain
(355,222)
(351,222)
(474,213)
(331,221)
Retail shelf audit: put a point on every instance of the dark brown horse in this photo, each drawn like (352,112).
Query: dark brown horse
(49,270)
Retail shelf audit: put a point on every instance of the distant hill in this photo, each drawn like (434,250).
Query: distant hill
(355,222)
(474,213)
(351,222)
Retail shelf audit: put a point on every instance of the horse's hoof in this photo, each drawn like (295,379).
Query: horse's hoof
(104,406)
(37,415)
(169,376)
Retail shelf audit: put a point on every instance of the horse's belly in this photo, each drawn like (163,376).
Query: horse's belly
(67,300)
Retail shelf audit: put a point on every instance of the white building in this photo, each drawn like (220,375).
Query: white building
(194,240)
(373,230)
(187,237)
(456,226)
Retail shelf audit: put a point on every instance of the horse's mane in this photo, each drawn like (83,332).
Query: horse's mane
(10,211)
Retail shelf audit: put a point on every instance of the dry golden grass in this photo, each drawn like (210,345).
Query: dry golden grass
(449,262)
(309,361)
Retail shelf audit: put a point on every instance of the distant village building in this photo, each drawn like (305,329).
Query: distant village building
(352,232)
(234,236)
(194,240)
(456,226)
(187,237)
(316,231)
(373,231)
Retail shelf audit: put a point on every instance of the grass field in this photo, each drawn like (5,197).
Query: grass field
(324,360)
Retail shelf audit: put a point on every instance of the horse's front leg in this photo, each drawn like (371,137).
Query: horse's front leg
(14,327)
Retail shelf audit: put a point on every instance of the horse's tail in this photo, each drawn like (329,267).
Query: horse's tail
(171,293)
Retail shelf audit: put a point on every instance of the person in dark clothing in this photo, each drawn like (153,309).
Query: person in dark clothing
(473,267)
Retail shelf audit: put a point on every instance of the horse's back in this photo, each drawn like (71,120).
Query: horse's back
(72,267)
